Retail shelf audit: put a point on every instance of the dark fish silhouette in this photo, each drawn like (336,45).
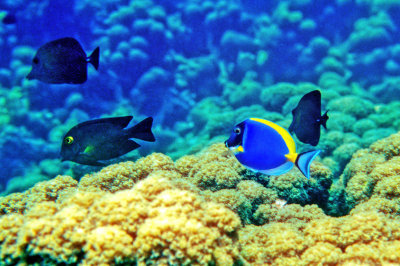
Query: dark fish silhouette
(10,18)
(307,118)
(62,61)
(101,139)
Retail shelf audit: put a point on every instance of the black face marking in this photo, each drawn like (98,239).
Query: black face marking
(236,137)
(35,60)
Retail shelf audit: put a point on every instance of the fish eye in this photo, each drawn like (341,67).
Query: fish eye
(35,60)
(68,140)
(237,130)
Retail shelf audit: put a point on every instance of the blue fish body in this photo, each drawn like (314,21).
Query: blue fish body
(266,147)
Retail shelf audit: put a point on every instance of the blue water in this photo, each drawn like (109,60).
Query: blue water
(197,67)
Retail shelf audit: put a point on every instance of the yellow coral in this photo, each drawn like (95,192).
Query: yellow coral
(348,240)
(291,213)
(151,163)
(185,164)
(155,222)
(9,227)
(51,190)
(214,168)
(152,212)
(373,171)
(321,253)
(262,245)
(111,178)
(255,191)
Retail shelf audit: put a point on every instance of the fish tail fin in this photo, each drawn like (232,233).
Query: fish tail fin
(304,160)
(324,118)
(142,130)
(94,58)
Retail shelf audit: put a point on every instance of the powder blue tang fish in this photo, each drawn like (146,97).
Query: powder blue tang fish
(263,146)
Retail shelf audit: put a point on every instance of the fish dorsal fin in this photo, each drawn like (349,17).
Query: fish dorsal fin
(67,42)
(121,122)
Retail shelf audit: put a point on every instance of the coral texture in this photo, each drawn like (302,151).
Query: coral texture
(155,222)
(155,211)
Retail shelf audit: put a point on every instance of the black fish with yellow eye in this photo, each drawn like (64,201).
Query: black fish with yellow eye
(62,61)
(94,141)
(307,119)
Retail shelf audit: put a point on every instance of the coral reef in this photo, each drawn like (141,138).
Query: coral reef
(206,208)
(155,222)
(199,68)
(371,172)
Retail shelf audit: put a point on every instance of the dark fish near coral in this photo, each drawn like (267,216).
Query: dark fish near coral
(96,140)
(265,147)
(10,18)
(307,118)
(62,61)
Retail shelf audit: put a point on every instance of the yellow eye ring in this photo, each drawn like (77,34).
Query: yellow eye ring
(68,140)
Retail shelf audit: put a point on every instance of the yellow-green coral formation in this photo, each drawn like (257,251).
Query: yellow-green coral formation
(124,175)
(214,168)
(155,222)
(155,211)
(360,238)
(43,191)
(244,199)
(295,188)
(372,172)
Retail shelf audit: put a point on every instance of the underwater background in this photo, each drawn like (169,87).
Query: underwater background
(198,68)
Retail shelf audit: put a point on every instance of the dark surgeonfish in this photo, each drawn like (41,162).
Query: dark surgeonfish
(93,141)
(62,61)
(263,146)
(307,118)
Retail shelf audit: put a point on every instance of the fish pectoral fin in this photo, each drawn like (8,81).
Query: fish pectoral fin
(88,150)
